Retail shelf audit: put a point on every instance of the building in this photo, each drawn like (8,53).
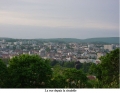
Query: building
(99,55)
(42,52)
(97,61)
(108,47)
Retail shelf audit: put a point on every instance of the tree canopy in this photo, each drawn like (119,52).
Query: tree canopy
(75,78)
(107,71)
(3,74)
(29,71)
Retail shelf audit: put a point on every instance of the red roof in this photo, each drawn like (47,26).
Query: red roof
(91,77)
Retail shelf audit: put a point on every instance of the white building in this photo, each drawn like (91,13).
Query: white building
(21,43)
(109,47)
(9,43)
(3,41)
(59,51)
(0,42)
(3,46)
(42,52)
(83,60)
(15,43)
(91,60)
(87,49)
(99,55)
(87,60)
(92,55)
(90,45)
(68,59)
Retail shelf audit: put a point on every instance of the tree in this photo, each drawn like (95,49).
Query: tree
(86,67)
(78,65)
(75,78)
(58,81)
(92,69)
(54,62)
(48,49)
(3,75)
(29,71)
(107,71)
(69,64)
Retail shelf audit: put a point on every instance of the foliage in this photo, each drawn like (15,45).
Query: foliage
(48,49)
(3,75)
(75,78)
(107,71)
(92,69)
(69,64)
(5,60)
(86,67)
(78,65)
(29,72)
(57,70)
(58,81)
(54,62)
(68,78)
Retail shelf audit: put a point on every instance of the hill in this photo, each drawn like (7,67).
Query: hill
(104,39)
(68,40)
(89,40)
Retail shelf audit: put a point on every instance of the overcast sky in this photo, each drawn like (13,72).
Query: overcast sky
(59,18)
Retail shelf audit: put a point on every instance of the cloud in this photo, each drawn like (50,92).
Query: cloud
(59,18)
(25,19)
(30,32)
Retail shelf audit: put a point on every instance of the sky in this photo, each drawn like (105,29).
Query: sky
(31,19)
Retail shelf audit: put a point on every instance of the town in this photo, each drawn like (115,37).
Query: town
(60,51)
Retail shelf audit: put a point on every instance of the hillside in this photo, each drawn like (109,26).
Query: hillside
(89,40)
(67,40)
(105,39)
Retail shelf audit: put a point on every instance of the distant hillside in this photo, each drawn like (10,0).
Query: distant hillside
(61,40)
(67,40)
(1,38)
(89,40)
(105,39)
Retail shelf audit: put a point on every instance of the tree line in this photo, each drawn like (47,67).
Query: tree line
(32,71)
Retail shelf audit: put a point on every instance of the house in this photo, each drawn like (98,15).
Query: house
(68,59)
(91,77)
(5,56)
(42,52)
(59,51)
(97,61)
(92,55)
(99,55)
(82,60)
(1,56)
(109,47)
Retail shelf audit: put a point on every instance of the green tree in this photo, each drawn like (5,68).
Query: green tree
(54,62)
(58,81)
(47,49)
(107,71)
(3,75)
(86,67)
(92,69)
(29,71)
(69,64)
(75,78)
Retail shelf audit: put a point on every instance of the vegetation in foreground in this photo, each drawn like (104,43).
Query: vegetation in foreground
(31,71)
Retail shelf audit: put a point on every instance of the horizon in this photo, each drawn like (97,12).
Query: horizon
(59,38)
(79,19)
